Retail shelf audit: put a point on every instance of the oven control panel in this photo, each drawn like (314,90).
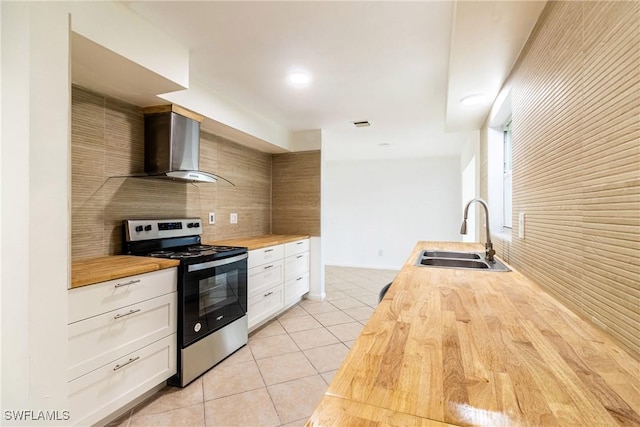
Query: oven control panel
(141,229)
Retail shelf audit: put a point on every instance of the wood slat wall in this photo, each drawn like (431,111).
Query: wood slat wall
(108,142)
(576,162)
(296,193)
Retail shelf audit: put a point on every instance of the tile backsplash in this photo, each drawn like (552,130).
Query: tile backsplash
(575,103)
(107,147)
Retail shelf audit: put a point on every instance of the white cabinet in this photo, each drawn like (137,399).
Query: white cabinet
(296,265)
(296,270)
(298,247)
(295,288)
(265,305)
(266,276)
(265,255)
(278,277)
(122,342)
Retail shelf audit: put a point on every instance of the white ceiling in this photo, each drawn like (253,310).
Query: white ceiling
(400,65)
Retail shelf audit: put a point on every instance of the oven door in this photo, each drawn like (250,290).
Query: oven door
(214,295)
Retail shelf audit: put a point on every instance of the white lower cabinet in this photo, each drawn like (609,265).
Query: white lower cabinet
(296,265)
(278,277)
(265,305)
(265,276)
(98,340)
(295,288)
(122,342)
(105,390)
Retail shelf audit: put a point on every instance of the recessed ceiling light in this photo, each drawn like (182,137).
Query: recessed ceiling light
(475,99)
(384,145)
(299,78)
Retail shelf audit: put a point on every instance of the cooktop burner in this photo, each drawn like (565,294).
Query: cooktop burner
(200,247)
(191,252)
(161,254)
(172,238)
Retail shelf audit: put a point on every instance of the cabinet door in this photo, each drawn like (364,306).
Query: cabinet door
(89,301)
(265,305)
(296,265)
(297,247)
(265,276)
(265,255)
(105,390)
(101,339)
(295,288)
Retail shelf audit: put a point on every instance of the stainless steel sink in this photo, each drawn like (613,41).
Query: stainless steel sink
(460,260)
(455,255)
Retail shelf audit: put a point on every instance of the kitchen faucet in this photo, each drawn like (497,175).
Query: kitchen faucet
(489,252)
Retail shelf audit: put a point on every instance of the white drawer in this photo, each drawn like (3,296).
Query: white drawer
(101,339)
(91,300)
(105,390)
(295,288)
(265,305)
(265,276)
(296,265)
(265,255)
(296,247)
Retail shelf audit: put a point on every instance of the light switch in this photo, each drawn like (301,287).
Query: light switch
(521,223)
(212,217)
(233,218)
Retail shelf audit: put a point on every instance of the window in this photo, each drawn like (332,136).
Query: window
(506,175)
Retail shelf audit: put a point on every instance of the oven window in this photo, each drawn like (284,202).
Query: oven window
(218,291)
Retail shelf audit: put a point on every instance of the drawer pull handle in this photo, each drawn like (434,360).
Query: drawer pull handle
(268,293)
(131,282)
(268,267)
(299,243)
(268,250)
(131,360)
(118,316)
(299,278)
(299,256)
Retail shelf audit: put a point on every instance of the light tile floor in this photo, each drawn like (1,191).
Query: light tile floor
(280,376)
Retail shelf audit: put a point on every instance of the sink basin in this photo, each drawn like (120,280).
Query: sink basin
(459,260)
(447,254)
(454,263)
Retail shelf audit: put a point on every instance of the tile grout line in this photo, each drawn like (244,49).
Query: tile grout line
(333,283)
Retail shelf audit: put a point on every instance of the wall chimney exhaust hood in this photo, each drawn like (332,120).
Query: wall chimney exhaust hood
(172,145)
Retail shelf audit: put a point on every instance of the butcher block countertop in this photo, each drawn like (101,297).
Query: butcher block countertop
(258,242)
(466,347)
(101,269)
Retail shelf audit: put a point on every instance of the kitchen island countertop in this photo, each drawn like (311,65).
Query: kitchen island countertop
(465,347)
(95,270)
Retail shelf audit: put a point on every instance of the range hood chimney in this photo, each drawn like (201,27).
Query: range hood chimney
(172,144)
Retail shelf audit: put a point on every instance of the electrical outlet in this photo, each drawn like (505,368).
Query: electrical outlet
(212,217)
(521,223)
(233,218)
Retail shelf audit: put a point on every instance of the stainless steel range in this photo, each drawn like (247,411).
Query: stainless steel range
(212,290)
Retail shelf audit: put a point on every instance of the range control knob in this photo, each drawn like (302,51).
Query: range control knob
(138,228)
(147,228)
(196,224)
(193,225)
(190,225)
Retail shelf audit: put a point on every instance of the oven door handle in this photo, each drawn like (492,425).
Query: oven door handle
(216,263)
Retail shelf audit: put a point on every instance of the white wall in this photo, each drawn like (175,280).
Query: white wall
(34,188)
(375,211)
(35,206)
(470,167)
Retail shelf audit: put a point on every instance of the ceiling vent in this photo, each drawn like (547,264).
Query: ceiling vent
(362,124)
